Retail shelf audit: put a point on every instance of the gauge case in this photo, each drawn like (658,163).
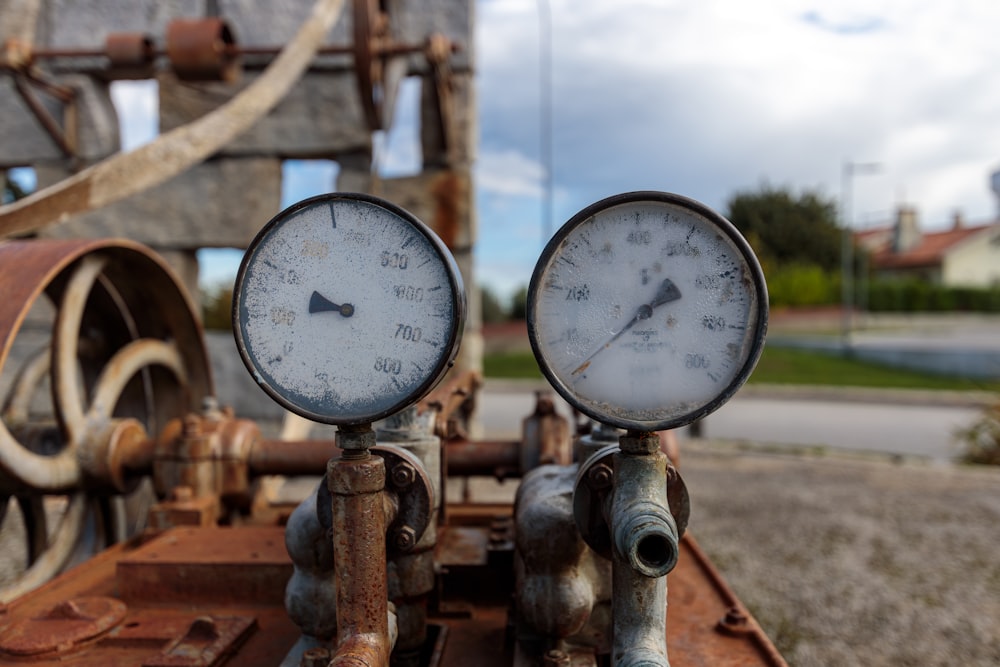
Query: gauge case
(650,218)
(347,262)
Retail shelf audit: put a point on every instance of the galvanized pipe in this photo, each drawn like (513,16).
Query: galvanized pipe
(645,549)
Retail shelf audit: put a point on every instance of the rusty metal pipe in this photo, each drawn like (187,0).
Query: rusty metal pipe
(356,482)
(290,457)
(468,458)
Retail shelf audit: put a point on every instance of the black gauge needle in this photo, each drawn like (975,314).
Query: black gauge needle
(320,304)
(665,294)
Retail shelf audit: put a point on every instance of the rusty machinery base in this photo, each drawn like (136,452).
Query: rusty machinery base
(214,595)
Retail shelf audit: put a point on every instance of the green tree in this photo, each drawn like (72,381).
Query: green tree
(519,304)
(785,228)
(493,310)
(217,307)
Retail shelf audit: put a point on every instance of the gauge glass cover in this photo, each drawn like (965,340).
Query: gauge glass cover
(346,309)
(647,311)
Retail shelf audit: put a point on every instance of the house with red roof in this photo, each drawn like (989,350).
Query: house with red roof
(962,256)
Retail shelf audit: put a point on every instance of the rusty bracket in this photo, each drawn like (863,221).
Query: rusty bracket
(453,402)
(63,627)
(407,480)
(439,48)
(206,643)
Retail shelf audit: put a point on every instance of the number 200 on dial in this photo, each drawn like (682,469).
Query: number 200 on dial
(647,311)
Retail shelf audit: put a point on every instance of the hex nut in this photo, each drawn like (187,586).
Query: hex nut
(403,475)
(406,537)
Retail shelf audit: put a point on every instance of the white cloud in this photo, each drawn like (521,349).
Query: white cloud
(708,98)
(509,172)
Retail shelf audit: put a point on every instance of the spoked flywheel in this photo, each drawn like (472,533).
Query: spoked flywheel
(99,349)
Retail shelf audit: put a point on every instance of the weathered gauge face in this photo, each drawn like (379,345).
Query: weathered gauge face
(347,309)
(647,311)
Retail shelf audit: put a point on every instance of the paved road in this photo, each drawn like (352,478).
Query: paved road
(909,430)
(923,429)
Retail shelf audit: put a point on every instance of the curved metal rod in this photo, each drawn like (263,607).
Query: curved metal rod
(59,473)
(126,362)
(36,525)
(18,404)
(58,553)
(69,403)
(125,174)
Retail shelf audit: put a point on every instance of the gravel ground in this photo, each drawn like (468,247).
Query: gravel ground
(855,561)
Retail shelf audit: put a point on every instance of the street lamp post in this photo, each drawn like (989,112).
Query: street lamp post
(847,173)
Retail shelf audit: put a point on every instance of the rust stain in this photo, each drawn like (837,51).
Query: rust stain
(449,192)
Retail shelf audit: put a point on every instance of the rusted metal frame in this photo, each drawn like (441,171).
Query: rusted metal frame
(385,50)
(438,50)
(65,136)
(453,395)
(370,28)
(126,174)
(737,620)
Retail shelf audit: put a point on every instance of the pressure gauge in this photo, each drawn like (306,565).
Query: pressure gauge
(647,311)
(347,309)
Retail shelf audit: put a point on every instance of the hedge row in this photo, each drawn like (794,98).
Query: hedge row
(801,285)
(915,296)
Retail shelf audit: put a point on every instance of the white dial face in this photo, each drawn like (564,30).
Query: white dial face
(347,309)
(647,311)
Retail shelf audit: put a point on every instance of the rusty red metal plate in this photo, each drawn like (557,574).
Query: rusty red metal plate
(208,565)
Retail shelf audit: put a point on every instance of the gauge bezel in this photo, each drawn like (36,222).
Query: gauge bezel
(449,350)
(550,254)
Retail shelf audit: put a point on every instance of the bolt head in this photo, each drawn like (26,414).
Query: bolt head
(600,477)
(406,537)
(403,475)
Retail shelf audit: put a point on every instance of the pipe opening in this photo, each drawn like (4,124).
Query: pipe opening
(655,551)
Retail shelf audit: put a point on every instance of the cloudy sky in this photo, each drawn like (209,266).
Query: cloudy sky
(709,98)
